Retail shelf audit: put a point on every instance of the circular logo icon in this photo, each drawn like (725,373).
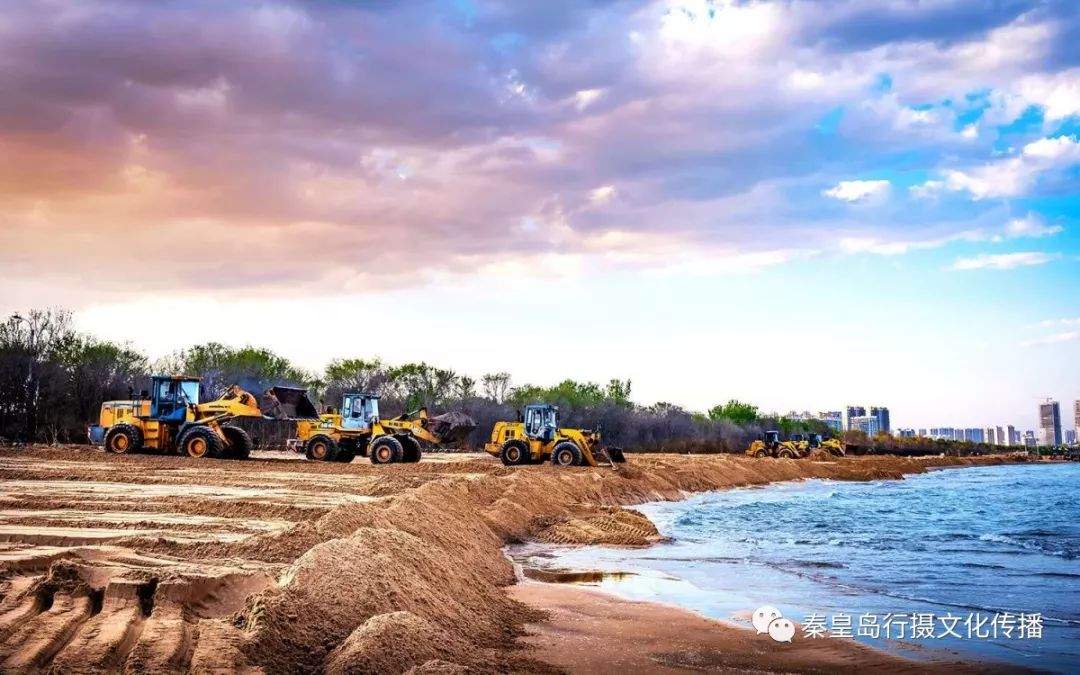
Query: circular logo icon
(763,616)
(782,630)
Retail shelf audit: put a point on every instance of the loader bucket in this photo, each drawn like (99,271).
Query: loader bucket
(616,455)
(452,427)
(295,403)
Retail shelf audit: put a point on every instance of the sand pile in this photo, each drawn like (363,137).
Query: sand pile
(435,552)
(609,527)
(389,643)
(426,553)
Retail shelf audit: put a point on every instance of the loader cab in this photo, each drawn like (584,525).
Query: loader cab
(359,411)
(171,396)
(797,438)
(771,439)
(541,422)
(815,440)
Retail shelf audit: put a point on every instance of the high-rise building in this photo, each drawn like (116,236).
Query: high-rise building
(852,411)
(1029,439)
(999,436)
(1076,415)
(1050,422)
(1069,436)
(905,433)
(868,424)
(833,418)
(1014,435)
(922,433)
(882,415)
(988,435)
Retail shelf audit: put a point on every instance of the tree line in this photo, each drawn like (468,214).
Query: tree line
(53,379)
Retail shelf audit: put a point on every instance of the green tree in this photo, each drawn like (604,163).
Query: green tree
(734,411)
(253,368)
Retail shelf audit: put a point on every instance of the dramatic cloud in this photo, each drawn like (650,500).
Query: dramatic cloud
(1002,261)
(275,147)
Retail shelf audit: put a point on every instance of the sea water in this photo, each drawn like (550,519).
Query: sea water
(968,543)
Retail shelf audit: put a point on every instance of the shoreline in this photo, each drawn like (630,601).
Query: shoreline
(592,630)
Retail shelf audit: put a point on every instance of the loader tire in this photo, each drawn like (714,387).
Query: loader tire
(410,449)
(786,453)
(321,448)
(514,453)
(199,443)
(567,454)
(123,439)
(385,450)
(345,456)
(240,443)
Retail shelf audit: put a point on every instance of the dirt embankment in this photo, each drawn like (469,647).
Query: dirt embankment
(386,569)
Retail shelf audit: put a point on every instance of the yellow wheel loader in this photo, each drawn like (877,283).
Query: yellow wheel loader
(357,429)
(170,418)
(537,438)
(770,445)
(834,446)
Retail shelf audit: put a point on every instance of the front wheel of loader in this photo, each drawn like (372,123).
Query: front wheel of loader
(410,449)
(321,449)
(786,453)
(567,454)
(123,438)
(385,450)
(514,452)
(240,443)
(199,443)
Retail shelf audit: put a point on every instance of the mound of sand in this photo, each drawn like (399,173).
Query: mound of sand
(394,643)
(609,527)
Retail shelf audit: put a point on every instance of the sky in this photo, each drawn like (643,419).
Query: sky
(799,204)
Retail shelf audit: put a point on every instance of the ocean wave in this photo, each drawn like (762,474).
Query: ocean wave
(1061,621)
(1025,544)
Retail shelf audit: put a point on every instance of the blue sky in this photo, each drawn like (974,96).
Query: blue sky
(801,204)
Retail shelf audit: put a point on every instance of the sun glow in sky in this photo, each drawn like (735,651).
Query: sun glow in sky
(799,204)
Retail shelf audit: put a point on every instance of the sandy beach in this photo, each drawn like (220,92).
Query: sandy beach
(168,564)
(587,631)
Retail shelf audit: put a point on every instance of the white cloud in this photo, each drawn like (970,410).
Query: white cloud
(805,80)
(1008,177)
(857,190)
(1058,94)
(602,194)
(1059,148)
(1002,261)
(1050,323)
(1030,226)
(927,190)
(971,131)
(586,97)
(1067,336)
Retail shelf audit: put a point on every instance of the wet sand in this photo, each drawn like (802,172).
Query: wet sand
(588,631)
(167,564)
